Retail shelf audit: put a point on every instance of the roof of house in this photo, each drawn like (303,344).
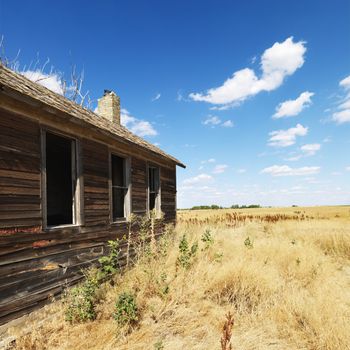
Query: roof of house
(38,92)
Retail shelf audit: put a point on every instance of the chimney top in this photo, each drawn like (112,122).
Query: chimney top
(108,106)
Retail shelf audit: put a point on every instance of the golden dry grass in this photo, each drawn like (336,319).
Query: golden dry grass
(288,289)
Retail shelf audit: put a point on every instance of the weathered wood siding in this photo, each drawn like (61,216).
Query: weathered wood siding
(139,186)
(95,164)
(19,172)
(35,263)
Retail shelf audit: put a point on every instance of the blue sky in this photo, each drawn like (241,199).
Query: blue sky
(251,95)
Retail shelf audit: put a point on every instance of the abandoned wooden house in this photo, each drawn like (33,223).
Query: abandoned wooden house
(69,180)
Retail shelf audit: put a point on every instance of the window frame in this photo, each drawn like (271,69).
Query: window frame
(76,169)
(127,179)
(158,202)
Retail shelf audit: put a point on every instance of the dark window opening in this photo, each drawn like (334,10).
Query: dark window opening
(153,185)
(119,187)
(60,186)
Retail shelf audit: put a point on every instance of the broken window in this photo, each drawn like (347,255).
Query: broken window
(119,187)
(60,180)
(153,189)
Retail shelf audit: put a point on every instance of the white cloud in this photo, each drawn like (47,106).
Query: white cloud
(227,124)
(347,168)
(284,138)
(277,62)
(156,97)
(285,170)
(306,151)
(137,126)
(291,108)
(293,158)
(50,81)
(342,116)
(220,168)
(343,113)
(212,120)
(210,160)
(201,178)
(310,149)
(345,104)
(241,171)
(345,83)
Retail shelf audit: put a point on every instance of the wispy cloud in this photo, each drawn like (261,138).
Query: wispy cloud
(227,124)
(199,179)
(310,149)
(220,168)
(343,114)
(241,171)
(210,160)
(345,83)
(179,96)
(307,150)
(156,97)
(285,170)
(285,138)
(213,120)
(291,108)
(277,62)
(137,126)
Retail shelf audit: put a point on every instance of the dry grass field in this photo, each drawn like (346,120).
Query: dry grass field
(284,274)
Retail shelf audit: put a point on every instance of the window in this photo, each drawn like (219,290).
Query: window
(119,187)
(61,183)
(153,189)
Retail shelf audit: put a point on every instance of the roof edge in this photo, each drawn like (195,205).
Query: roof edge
(25,86)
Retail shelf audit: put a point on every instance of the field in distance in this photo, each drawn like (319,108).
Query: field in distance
(283,273)
(322,212)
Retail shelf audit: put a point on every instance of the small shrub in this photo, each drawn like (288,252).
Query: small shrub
(126,310)
(80,300)
(186,254)
(218,257)
(248,243)
(158,345)
(109,263)
(163,284)
(163,245)
(207,239)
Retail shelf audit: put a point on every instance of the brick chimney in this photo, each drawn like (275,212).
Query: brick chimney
(108,106)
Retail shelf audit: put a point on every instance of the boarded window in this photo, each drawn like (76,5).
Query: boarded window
(119,188)
(153,188)
(60,180)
